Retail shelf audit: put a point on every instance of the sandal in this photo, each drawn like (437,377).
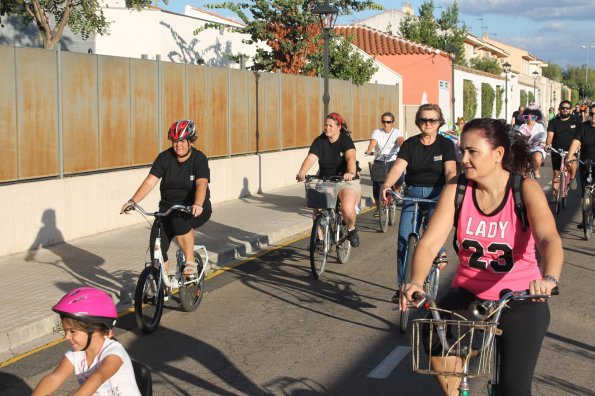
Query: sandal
(190,269)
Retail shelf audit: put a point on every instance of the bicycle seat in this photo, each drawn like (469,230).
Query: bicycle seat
(142,374)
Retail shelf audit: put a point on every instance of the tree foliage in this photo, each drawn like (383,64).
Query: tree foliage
(553,72)
(523,98)
(488,64)
(446,33)
(530,98)
(294,37)
(487,100)
(499,100)
(469,100)
(52,16)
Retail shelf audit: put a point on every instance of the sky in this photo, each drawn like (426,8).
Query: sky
(551,30)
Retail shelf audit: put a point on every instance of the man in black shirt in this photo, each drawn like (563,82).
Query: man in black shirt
(560,132)
(517,116)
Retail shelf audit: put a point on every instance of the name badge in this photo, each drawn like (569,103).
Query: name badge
(437,158)
(191,177)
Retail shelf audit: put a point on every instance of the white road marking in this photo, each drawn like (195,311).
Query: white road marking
(389,363)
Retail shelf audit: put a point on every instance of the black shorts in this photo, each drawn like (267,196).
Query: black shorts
(177,223)
(556,161)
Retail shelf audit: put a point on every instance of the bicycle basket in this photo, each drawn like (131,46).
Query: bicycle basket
(321,194)
(378,171)
(473,341)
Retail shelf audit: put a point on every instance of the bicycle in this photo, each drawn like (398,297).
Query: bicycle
(433,279)
(588,199)
(329,231)
(471,339)
(155,286)
(563,182)
(387,209)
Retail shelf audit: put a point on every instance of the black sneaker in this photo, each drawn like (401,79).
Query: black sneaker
(354,238)
(580,226)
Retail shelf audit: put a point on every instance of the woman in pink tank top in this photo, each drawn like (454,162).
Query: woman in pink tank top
(495,252)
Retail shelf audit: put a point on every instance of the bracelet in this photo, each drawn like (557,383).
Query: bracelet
(132,200)
(200,206)
(551,278)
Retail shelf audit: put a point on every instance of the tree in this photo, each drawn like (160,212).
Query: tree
(469,100)
(553,72)
(293,35)
(443,33)
(499,100)
(487,100)
(52,16)
(523,98)
(488,64)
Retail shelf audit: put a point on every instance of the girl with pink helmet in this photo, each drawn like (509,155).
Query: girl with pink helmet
(99,362)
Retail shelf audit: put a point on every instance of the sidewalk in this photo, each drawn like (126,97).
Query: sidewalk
(112,261)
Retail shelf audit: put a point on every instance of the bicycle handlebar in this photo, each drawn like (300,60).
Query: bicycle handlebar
(334,179)
(181,208)
(411,199)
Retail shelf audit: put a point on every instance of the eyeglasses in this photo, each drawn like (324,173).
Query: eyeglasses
(591,113)
(427,120)
(564,108)
(527,117)
(387,121)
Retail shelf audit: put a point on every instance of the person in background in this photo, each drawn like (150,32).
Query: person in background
(99,362)
(535,132)
(490,263)
(335,152)
(517,117)
(577,112)
(551,114)
(429,160)
(560,132)
(384,145)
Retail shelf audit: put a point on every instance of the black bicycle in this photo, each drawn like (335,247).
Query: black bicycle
(329,231)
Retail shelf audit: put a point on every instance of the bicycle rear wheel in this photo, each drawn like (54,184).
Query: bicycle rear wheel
(411,243)
(319,246)
(148,300)
(343,249)
(383,212)
(587,214)
(191,294)
(431,285)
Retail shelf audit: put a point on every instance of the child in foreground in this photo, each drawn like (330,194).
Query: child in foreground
(99,362)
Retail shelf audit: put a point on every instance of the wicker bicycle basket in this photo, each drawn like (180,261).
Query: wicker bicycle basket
(473,341)
(378,171)
(321,194)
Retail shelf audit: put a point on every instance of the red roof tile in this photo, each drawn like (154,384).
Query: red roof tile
(376,42)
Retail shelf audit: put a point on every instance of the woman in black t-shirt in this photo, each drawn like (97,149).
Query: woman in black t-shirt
(184,173)
(584,139)
(430,161)
(335,152)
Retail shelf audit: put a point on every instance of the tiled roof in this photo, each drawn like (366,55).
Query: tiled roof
(376,42)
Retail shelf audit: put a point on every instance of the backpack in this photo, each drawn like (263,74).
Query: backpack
(517,195)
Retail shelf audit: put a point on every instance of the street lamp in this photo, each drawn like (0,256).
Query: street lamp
(587,47)
(327,15)
(535,75)
(506,67)
(452,52)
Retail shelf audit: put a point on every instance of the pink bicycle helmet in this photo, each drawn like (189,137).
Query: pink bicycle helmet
(88,305)
(181,130)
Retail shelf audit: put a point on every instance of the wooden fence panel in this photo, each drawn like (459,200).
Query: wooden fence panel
(114,111)
(80,128)
(144,104)
(289,99)
(196,84)
(239,112)
(269,131)
(216,112)
(8,115)
(173,103)
(37,109)
(314,107)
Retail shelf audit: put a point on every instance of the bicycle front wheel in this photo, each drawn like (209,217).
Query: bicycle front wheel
(148,300)
(559,193)
(191,294)
(431,285)
(587,214)
(343,249)
(319,246)
(392,212)
(411,243)
(383,212)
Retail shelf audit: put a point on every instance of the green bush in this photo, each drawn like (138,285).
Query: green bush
(499,101)
(469,100)
(530,97)
(487,100)
(573,96)
(523,98)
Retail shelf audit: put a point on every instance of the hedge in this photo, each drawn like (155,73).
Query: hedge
(487,100)
(469,100)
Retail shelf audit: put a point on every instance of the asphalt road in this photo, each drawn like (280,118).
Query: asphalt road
(267,327)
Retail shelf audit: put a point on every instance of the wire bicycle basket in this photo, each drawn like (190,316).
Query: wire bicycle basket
(472,341)
(378,171)
(321,194)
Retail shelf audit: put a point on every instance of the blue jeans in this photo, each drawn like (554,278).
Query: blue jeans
(405,223)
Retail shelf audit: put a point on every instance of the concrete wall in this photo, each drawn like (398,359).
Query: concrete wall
(45,213)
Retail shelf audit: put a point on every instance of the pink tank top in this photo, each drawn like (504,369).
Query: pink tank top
(495,253)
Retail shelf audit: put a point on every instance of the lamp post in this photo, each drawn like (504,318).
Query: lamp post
(327,15)
(452,52)
(506,68)
(535,75)
(587,47)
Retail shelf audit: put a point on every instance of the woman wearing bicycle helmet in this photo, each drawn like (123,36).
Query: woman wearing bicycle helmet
(99,362)
(185,175)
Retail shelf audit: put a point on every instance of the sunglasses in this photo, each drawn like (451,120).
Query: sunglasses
(387,121)
(427,120)
(564,108)
(591,113)
(529,117)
